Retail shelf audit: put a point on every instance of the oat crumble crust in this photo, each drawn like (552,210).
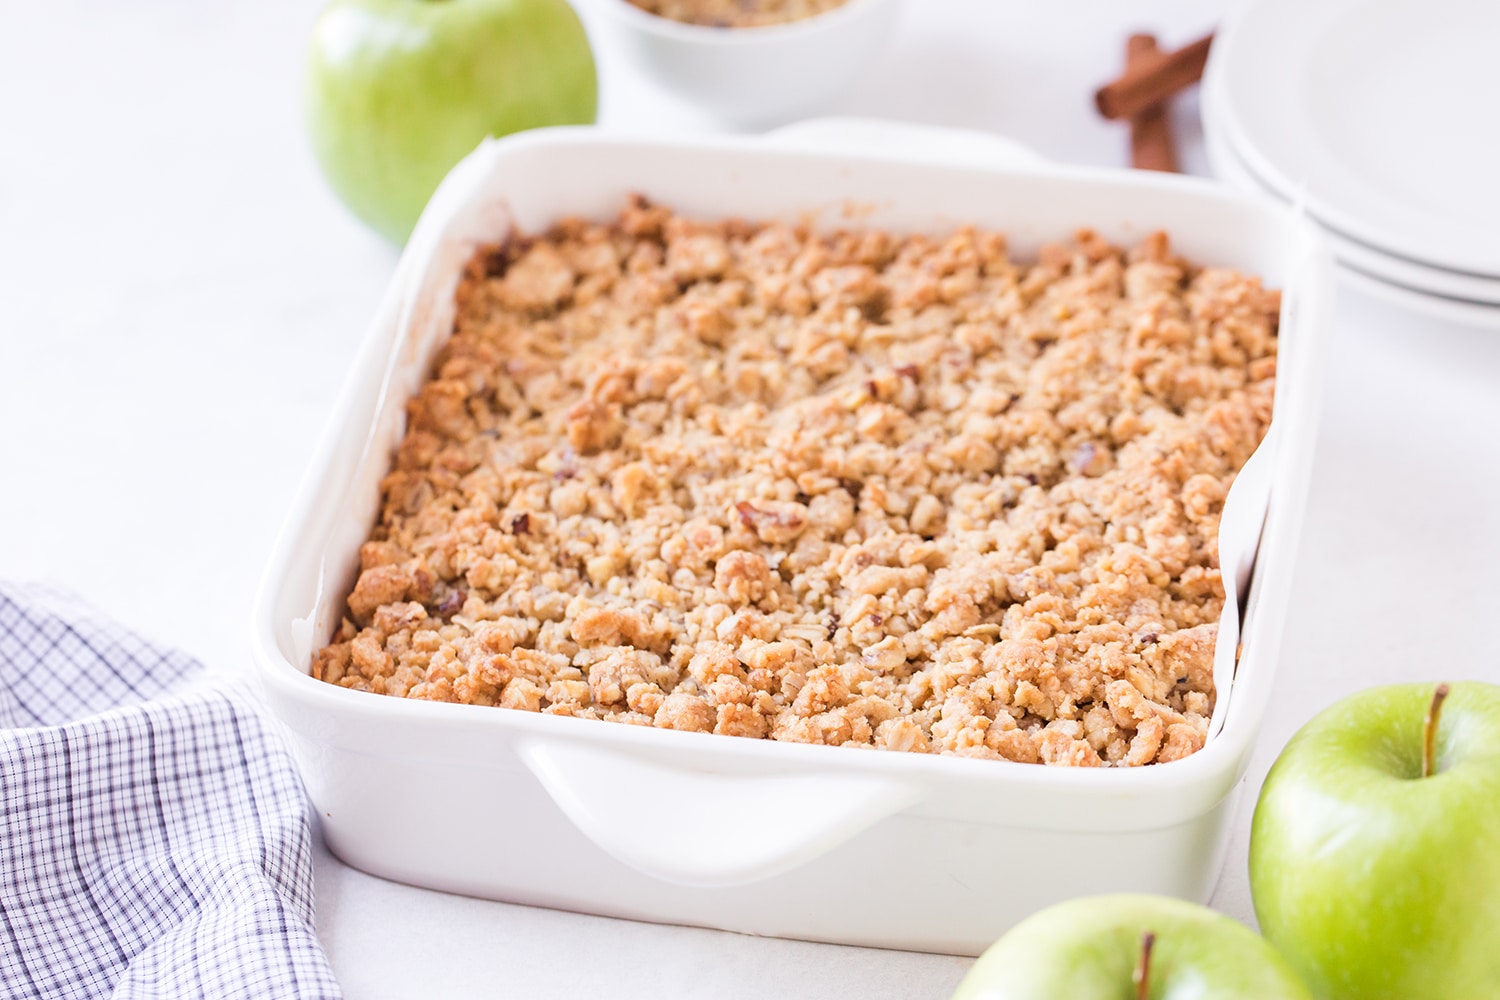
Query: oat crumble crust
(737,13)
(844,488)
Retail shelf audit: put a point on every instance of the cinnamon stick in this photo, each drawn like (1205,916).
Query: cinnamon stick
(1156,78)
(1151,146)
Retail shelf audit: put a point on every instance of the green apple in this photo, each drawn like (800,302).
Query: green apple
(1130,947)
(398,91)
(1375,848)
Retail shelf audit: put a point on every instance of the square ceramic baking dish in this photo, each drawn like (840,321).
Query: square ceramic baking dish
(896,850)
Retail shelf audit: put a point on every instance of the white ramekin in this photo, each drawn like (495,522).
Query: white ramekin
(753,76)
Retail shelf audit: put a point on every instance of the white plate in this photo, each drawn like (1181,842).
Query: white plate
(1381,114)
(1357,256)
(1473,302)
(1362,257)
(1451,310)
(1229,159)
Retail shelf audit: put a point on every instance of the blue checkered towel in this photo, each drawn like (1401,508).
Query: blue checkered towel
(154,837)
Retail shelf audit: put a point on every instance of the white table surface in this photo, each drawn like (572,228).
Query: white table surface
(180,298)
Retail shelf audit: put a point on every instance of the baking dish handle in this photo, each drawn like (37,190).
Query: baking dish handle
(707,830)
(963,147)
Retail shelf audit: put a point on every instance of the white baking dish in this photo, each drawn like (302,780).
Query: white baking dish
(888,849)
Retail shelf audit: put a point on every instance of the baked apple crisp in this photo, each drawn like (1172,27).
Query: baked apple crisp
(849,488)
(737,13)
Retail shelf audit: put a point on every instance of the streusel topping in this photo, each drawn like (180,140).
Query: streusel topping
(846,488)
(737,13)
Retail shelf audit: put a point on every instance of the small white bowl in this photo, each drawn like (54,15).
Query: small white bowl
(761,75)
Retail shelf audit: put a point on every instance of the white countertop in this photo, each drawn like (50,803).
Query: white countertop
(180,299)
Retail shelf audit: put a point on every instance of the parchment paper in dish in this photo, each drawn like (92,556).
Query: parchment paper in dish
(1239,537)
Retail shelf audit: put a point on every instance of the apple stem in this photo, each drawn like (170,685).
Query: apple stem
(1142,975)
(1429,734)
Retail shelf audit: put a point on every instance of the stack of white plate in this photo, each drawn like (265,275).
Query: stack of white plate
(1380,119)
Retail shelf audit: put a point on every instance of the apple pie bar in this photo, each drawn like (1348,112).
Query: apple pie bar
(854,488)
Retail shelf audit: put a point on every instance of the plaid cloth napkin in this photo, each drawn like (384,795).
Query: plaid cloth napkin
(154,837)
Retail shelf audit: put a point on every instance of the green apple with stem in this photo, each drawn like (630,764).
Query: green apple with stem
(1375,848)
(1130,947)
(398,91)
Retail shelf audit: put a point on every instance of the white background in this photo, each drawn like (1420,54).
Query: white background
(180,299)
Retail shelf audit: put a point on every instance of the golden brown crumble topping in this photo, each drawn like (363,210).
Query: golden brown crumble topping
(737,13)
(846,488)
